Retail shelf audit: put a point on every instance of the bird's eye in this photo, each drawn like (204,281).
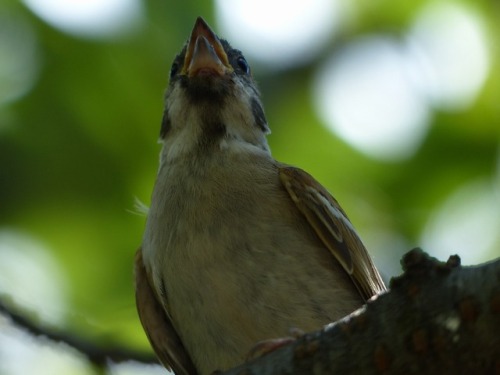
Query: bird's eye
(174,69)
(243,65)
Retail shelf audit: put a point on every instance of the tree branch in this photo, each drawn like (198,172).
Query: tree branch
(438,318)
(99,356)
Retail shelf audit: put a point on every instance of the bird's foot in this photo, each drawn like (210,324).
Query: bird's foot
(267,346)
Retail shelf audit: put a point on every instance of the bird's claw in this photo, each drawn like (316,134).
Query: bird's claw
(267,346)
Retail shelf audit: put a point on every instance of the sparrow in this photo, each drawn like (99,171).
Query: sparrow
(237,247)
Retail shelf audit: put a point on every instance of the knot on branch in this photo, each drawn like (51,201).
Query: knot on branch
(419,266)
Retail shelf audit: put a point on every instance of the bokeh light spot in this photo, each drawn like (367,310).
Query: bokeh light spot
(365,95)
(21,354)
(31,276)
(280,33)
(92,18)
(449,45)
(133,368)
(466,224)
(19,60)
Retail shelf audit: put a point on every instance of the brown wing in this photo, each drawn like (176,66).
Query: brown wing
(158,326)
(333,227)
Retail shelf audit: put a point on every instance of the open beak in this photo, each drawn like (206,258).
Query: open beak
(205,54)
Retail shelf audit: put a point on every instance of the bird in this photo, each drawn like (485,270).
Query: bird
(237,247)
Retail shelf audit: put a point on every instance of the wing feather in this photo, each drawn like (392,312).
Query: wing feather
(158,326)
(332,226)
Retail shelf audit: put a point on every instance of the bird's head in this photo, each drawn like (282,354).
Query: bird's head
(212,101)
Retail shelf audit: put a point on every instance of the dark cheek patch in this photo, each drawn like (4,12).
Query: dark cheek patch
(166,125)
(259,116)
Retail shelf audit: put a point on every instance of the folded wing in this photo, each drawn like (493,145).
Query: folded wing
(332,226)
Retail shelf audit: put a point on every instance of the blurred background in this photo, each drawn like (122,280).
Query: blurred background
(393,105)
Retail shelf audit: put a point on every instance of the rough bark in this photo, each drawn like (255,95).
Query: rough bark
(438,318)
